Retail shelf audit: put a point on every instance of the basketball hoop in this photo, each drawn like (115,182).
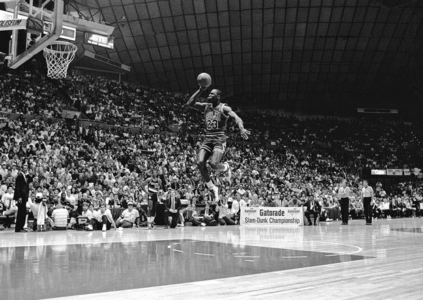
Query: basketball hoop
(58,56)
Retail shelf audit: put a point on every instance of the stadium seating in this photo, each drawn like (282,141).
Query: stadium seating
(136,128)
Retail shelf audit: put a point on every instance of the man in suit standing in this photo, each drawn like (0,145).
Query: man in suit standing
(173,205)
(21,197)
(313,208)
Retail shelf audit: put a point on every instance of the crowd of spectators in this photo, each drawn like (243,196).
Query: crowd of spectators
(29,92)
(93,171)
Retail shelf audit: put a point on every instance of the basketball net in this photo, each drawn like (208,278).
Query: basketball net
(58,56)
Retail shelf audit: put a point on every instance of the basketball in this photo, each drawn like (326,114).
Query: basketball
(204,80)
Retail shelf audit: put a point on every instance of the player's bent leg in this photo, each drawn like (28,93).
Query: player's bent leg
(215,160)
(215,163)
(203,156)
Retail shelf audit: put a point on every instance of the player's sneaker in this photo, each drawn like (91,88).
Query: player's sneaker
(215,190)
(228,172)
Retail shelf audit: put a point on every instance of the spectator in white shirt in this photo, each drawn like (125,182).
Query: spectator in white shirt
(128,217)
(102,219)
(34,208)
(233,213)
(244,201)
(235,205)
(189,194)
(9,205)
(60,217)
(3,170)
(222,209)
(86,212)
(8,202)
(69,197)
(255,202)
(14,172)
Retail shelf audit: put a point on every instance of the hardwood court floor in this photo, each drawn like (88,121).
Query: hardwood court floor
(329,261)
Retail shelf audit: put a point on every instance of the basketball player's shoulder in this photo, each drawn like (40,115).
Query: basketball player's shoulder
(225,108)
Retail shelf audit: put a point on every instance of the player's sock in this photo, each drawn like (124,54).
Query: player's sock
(228,172)
(210,184)
(215,190)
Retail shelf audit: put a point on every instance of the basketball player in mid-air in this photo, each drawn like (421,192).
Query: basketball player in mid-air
(214,144)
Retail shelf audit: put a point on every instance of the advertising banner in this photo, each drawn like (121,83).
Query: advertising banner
(394,172)
(378,172)
(12,24)
(407,172)
(272,216)
(70,114)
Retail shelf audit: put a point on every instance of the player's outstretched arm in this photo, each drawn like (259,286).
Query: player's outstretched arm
(192,102)
(238,121)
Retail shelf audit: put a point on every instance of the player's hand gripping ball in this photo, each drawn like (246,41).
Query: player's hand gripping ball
(204,80)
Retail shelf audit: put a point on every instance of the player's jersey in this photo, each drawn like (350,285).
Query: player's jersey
(215,120)
(154,185)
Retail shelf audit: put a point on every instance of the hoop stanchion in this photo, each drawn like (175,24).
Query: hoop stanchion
(58,56)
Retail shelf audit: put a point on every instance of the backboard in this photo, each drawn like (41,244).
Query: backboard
(38,20)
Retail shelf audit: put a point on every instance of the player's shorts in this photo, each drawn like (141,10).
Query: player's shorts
(214,145)
(153,197)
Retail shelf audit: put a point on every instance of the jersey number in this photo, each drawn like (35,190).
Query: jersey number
(211,124)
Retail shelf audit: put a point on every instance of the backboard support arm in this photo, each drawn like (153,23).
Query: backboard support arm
(17,61)
(14,49)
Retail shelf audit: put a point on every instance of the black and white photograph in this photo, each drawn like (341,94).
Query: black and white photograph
(211,149)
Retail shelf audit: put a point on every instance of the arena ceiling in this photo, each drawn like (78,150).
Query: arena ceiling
(287,54)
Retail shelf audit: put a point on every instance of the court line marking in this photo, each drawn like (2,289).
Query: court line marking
(249,260)
(312,241)
(348,245)
(177,250)
(293,256)
(375,274)
(115,236)
(359,249)
(285,291)
(246,256)
(204,254)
